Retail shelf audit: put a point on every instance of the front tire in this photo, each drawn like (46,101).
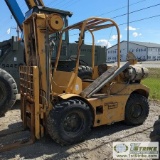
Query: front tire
(69,122)
(137,109)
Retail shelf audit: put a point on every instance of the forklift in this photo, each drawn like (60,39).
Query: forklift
(59,102)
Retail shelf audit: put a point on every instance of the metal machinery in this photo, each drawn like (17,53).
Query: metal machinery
(155,134)
(12,53)
(11,57)
(62,104)
(33,3)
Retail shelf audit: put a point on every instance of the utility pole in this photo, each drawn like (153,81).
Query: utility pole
(17,30)
(128,27)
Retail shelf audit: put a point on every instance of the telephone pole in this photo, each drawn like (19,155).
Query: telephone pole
(128,27)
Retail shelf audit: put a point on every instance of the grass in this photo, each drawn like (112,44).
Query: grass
(153,82)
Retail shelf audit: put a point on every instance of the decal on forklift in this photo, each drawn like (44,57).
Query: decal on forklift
(111,105)
(76,87)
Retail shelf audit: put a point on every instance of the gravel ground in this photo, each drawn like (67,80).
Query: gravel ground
(98,146)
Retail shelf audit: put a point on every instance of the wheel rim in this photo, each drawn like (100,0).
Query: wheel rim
(136,111)
(73,123)
(3,92)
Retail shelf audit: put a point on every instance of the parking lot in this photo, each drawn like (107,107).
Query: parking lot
(148,64)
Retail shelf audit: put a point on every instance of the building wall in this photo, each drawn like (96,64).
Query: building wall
(139,51)
(153,53)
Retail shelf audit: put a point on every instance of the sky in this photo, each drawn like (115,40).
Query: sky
(144,18)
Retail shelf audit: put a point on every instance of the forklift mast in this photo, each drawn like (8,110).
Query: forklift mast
(33,3)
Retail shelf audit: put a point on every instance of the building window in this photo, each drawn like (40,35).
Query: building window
(154,58)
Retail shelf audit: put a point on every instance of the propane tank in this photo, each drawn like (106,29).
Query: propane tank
(136,73)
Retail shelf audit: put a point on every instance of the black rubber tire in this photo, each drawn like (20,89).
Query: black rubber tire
(84,72)
(63,128)
(136,110)
(155,134)
(8,91)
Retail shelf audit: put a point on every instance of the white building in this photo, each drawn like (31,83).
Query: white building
(142,50)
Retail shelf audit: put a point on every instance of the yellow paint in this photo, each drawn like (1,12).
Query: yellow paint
(67,96)
(36,101)
(95,73)
(109,115)
(121,88)
(66,82)
(55,22)
(32,3)
(29,87)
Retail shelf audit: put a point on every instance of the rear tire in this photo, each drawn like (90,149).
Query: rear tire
(69,122)
(8,91)
(137,109)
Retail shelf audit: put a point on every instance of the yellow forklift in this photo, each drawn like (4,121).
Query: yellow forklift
(63,105)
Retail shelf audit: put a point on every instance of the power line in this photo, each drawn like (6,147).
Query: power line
(65,3)
(136,11)
(58,3)
(51,2)
(138,20)
(100,14)
(71,3)
(122,7)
